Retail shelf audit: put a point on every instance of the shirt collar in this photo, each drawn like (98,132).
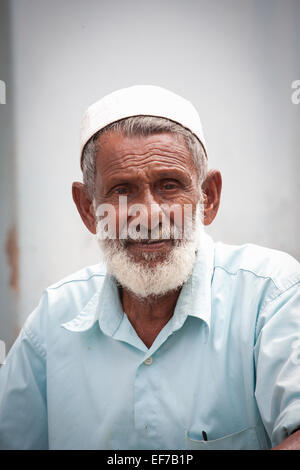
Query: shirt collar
(194,299)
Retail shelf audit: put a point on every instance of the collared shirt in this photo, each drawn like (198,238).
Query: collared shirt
(223,373)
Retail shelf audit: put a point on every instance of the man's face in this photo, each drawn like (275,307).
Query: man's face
(156,176)
(154,172)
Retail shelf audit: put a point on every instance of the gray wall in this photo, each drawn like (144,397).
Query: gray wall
(235,60)
(8,215)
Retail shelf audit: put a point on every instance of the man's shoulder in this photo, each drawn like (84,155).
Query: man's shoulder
(70,295)
(89,275)
(278,266)
(65,299)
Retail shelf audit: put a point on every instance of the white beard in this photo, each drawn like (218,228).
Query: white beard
(155,279)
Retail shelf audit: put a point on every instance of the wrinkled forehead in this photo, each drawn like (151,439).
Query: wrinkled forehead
(117,153)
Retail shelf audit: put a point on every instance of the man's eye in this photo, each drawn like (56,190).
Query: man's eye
(169,186)
(121,190)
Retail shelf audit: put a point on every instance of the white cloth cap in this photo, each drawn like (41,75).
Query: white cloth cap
(145,100)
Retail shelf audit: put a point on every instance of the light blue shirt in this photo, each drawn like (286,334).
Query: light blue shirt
(227,362)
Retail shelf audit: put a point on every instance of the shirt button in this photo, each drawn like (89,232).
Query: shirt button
(148,361)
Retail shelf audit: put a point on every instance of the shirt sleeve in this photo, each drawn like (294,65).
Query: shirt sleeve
(23,410)
(277,361)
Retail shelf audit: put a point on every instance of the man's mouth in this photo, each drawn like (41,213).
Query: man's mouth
(149,245)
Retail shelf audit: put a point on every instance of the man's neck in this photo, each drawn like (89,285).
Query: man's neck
(148,316)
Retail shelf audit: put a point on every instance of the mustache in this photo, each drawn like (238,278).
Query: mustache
(141,233)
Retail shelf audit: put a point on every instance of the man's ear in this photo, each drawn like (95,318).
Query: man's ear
(84,206)
(211,188)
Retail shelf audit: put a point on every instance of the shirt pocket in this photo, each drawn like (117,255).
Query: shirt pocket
(246,439)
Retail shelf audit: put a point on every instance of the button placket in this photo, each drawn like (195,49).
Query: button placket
(145,414)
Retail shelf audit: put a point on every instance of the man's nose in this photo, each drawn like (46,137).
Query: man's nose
(149,210)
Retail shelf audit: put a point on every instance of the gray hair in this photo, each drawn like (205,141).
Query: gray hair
(141,126)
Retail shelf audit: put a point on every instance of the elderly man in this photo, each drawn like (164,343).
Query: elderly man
(174,341)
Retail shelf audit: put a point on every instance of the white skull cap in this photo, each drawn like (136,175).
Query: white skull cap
(145,100)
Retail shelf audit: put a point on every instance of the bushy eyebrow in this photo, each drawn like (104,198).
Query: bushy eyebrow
(180,175)
(159,174)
